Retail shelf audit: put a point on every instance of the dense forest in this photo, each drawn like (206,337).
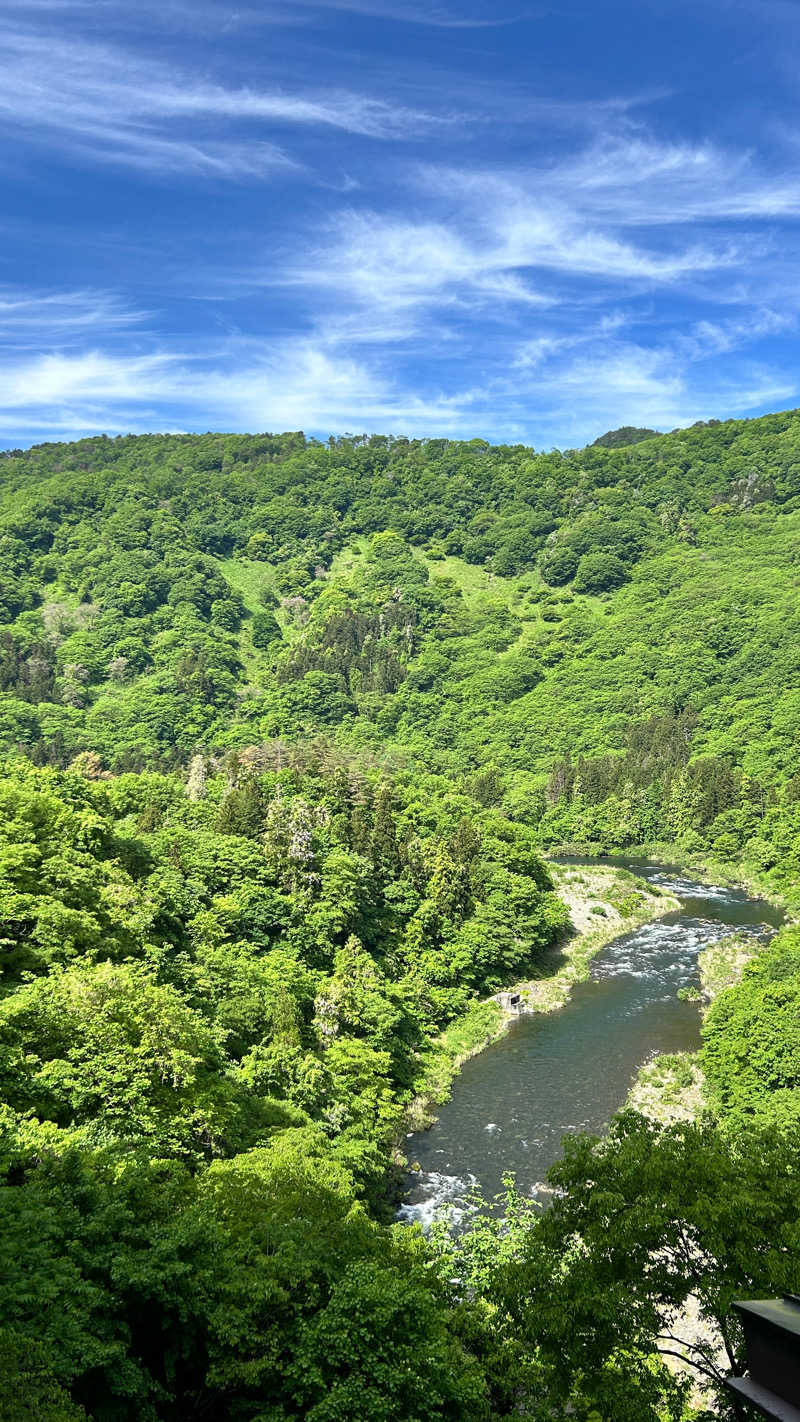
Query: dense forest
(288,731)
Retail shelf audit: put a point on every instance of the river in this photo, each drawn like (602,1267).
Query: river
(570,1070)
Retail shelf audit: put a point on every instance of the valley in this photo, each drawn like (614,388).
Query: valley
(311,753)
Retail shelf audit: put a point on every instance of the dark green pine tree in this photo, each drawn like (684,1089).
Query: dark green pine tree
(384,849)
(242,810)
(361,828)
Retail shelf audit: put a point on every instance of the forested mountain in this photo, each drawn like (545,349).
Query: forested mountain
(602,642)
(287,727)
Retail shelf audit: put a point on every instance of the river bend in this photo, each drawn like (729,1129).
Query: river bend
(570,1070)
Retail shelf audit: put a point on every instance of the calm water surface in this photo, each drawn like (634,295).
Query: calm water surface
(570,1070)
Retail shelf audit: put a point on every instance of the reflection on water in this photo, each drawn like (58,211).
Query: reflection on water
(568,1071)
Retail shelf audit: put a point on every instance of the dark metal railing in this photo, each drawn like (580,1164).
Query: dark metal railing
(771,1385)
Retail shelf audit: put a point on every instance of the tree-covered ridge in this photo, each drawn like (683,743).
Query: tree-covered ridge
(610,635)
(626,434)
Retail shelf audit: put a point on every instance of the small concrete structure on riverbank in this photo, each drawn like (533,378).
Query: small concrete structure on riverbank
(509,1001)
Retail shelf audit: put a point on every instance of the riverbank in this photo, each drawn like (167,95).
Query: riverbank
(605,902)
(701,865)
(671,1087)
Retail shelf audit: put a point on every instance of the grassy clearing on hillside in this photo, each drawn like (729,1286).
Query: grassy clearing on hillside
(250,579)
(475,583)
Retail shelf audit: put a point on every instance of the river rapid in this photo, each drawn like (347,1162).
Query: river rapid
(566,1071)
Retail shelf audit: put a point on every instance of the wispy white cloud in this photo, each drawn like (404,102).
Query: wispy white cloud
(634,181)
(595,275)
(117,106)
(557,390)
(625,216)
(707,338)
(90,380)
(503,244)
(653,387)
(255,385)
(31,318)
(448,17)
(539,351)
(393,266)
(585,379)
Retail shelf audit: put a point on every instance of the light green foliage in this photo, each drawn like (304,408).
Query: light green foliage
(262,1284)
(751,1054)
(109,1050)
(63,892)
(310,1305)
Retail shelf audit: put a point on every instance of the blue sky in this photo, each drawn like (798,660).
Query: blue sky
(476,217)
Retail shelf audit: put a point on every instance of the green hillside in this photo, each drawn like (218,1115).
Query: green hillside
(615,632)
(286,729)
